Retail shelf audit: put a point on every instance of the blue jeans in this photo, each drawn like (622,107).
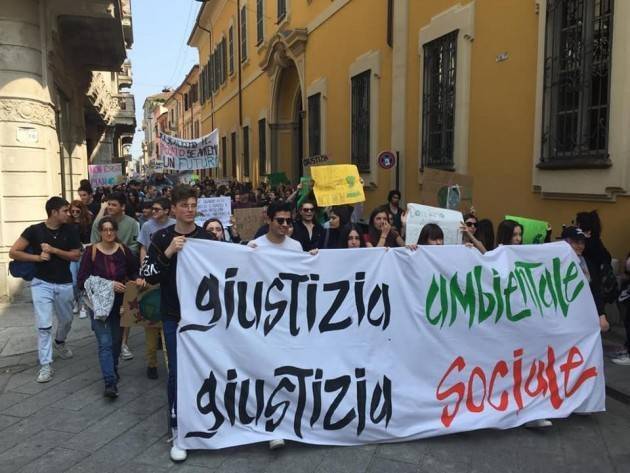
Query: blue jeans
(109,338)
(49,298)
(170,338)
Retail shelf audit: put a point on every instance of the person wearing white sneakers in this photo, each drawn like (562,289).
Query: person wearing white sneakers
(128,230)
(160,267)
(53,245)
(278,236)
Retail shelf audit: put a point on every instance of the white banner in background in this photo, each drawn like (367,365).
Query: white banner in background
(190,155)
(448,220)
(368,345)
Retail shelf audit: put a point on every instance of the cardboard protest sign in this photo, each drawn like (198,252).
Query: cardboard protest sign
(131,315)
(105,174)
(315,160)
(249,221)
(446,189)
(448,220)
(338,184)
(534,231)
(190,155)
(372,345)
(214,207)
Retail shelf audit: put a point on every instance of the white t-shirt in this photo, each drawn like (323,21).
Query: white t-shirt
(287,244)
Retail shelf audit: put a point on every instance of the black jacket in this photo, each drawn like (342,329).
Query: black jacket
(596,255)
(300,233)
(158,269)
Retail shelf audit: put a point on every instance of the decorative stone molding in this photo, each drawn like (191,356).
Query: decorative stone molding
(284,46)
(27,111)
(100,95)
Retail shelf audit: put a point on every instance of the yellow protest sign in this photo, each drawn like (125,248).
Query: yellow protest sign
(336,185)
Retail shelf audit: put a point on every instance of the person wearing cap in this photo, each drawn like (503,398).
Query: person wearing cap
(576,238)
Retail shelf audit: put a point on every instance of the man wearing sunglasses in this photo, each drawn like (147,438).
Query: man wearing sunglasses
(280,228)
(278,236)
(160,210)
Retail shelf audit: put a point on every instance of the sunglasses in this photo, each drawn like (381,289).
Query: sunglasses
(282,221)
(156,209)
(471,224)
(308,209)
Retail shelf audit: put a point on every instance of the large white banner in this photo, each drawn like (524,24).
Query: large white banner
(190,155)
(373,345)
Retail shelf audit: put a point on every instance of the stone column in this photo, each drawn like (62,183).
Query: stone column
(29,160)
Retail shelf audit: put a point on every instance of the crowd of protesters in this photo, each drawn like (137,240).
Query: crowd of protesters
(87,250)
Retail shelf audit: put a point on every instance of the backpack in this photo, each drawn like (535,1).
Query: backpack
(610,285)
(23,269)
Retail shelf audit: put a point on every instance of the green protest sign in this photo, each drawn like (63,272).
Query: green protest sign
(307,187)
(534,231)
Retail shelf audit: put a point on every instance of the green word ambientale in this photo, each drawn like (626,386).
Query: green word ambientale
(541,288)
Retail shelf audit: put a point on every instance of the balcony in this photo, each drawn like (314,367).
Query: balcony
(127,22)
(93,31)
(126,113)
(124,76)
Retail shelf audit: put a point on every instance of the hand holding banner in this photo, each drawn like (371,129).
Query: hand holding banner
(338,184)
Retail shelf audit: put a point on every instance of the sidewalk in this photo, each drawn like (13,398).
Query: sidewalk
(67,426)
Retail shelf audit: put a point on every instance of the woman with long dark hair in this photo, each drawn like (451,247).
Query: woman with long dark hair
(339,218)
(485,233)
(380,231)
(82,218)
(351,237)
(214,226)
(431,234)
(597,258)
(509,232)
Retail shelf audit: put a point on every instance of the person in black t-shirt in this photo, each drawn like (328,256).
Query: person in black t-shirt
(160,267)
(53,244)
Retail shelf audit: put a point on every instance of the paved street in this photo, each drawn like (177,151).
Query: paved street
(67,425)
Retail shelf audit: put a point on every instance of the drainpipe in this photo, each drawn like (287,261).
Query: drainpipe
(211,94)
(240,79)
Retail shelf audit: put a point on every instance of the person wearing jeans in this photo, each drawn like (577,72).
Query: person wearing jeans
(170,339)
(49,298)
(109,338)
(160,267)
(53,244)
(113,262)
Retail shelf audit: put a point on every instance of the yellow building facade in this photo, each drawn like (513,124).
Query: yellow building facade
(524,96)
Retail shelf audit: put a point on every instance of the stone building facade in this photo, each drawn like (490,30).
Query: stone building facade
(64,102)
